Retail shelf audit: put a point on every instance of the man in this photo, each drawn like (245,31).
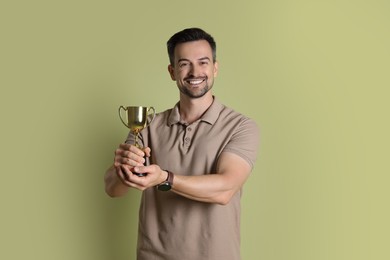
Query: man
(197,157)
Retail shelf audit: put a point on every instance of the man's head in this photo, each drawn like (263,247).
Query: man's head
(192,62)
(189,35)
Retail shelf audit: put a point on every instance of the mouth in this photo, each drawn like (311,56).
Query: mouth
(196,81)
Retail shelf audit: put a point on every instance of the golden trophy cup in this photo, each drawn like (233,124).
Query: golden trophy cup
(137,119)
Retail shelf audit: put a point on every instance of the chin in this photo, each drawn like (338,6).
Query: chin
(196,94)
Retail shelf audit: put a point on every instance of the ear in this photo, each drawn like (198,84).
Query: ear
(171,71)
(216,68)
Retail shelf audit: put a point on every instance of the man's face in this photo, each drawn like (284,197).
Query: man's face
(194,70)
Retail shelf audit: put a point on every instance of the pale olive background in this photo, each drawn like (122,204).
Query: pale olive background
(313,74)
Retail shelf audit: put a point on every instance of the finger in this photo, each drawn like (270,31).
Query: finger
(122,175)
(124,146)
(132,180)
(133,156)
(122,152)
(128,172)
(128,157)
(129,177)
(132,148)
(141,169)
(147,151)
(119,160)
(137,150)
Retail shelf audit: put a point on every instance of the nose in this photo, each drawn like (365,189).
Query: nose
(194,70)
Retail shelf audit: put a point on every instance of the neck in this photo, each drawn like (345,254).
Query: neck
(191,109)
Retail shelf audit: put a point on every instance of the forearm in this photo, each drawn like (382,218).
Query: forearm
(113,185)
(211,188)
(232,172)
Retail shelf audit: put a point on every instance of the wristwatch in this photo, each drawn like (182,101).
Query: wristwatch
(167,184)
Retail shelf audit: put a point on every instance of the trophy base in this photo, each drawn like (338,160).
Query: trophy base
(140,174)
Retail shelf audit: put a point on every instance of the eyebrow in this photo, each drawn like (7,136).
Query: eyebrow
(204,58)
(200,59)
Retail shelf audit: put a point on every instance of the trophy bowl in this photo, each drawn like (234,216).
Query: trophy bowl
(136,119)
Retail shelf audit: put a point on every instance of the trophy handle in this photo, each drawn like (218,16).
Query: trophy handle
(154,114)
(120,114)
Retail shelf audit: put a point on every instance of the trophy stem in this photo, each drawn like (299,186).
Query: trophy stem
(136,139)
(136,142)
(140,147)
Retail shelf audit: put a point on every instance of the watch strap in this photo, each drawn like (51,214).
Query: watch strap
(170,177)
(167,184)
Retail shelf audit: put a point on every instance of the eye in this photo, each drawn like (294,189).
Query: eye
(204,63)
(183,64)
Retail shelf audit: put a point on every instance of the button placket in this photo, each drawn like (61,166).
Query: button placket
(188,136)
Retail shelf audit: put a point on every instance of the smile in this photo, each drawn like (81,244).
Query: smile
(195,81)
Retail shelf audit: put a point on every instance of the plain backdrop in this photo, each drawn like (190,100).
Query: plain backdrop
(313,74)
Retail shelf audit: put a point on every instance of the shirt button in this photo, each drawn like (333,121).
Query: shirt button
(187,139)
(189,129)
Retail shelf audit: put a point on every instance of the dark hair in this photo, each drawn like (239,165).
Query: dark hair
(189,35)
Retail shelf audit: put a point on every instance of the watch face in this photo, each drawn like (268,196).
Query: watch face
(164,186)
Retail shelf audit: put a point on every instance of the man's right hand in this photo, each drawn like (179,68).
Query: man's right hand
(127,157)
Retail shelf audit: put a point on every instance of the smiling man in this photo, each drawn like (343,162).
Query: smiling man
(198,156)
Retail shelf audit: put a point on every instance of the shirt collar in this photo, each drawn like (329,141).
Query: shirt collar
(210,116)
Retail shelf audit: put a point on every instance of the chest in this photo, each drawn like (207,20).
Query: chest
(191,148)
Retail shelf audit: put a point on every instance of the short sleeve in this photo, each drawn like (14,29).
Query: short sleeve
(245,141)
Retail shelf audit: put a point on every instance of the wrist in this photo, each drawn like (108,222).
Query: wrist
(166,185)
(164,176)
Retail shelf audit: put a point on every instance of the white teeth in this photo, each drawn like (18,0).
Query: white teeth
(195,82)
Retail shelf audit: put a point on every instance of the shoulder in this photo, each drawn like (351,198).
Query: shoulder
(163,116)
(228,114)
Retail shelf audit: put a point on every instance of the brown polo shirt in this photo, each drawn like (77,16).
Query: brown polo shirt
(176,228)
